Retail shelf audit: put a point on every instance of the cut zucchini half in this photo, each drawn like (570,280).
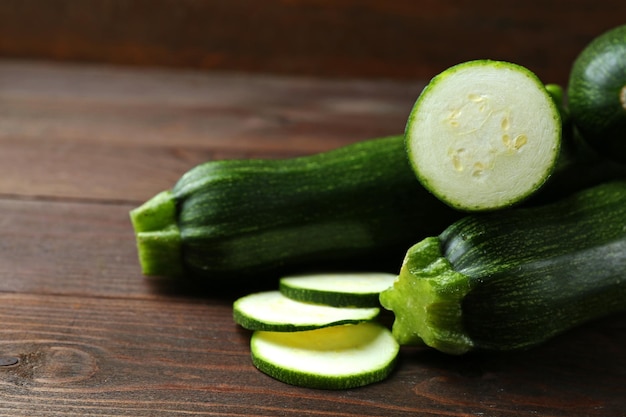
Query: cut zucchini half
(338,357)
(484,135)
(342,289)
(272,311)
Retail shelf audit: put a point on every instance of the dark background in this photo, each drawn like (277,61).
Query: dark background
(399,39)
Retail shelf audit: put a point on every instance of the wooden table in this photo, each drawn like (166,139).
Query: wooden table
(84,333)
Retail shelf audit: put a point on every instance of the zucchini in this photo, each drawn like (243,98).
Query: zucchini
(342,289)
(360,205)
(513,279)
(318,345)
(272,311)
(338,357)
(239,219)
(597,93)
(484,135)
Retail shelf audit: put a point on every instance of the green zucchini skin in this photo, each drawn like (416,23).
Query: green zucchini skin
(357,205)
(512,280)
(597,93)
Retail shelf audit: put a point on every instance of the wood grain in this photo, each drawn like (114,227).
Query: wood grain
(339,38)
(56,247)
(111,356)
(82,145)
(151,126)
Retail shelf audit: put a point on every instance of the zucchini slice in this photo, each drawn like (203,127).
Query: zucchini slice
(484,135)
(338,357)
(516,278)
(272,311)
(337,289)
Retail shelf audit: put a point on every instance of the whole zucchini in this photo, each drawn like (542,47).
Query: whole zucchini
(357,205)
(597,93)
(513,279)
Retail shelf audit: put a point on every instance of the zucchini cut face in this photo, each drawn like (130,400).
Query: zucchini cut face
(484,135)
(340,289)
(272,311)
(338,357)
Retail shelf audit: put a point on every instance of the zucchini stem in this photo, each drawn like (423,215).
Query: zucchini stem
(158,237)
(506,281)
(430,309)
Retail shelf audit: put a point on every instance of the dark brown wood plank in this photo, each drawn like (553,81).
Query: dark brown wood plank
(340,38)
(113,357)
(70,170)
(183,108)
(68,248)
(91,336)
(84,249)
(66,130)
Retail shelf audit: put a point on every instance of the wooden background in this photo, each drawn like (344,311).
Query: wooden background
(404,39)
(104,103)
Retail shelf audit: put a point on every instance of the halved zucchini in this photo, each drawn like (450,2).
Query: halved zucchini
(484,135)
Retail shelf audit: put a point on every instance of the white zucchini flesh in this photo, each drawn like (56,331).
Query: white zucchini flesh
(484,135)
(272,311)
(339,289)
(337,357)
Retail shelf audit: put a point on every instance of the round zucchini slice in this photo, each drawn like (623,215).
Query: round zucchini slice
(272,311)
(338,357)
(484,135)
(341,289)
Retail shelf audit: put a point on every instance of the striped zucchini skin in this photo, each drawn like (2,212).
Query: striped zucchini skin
(356,205)
(512,280)
(534,273)
(248,216)
(597,93)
